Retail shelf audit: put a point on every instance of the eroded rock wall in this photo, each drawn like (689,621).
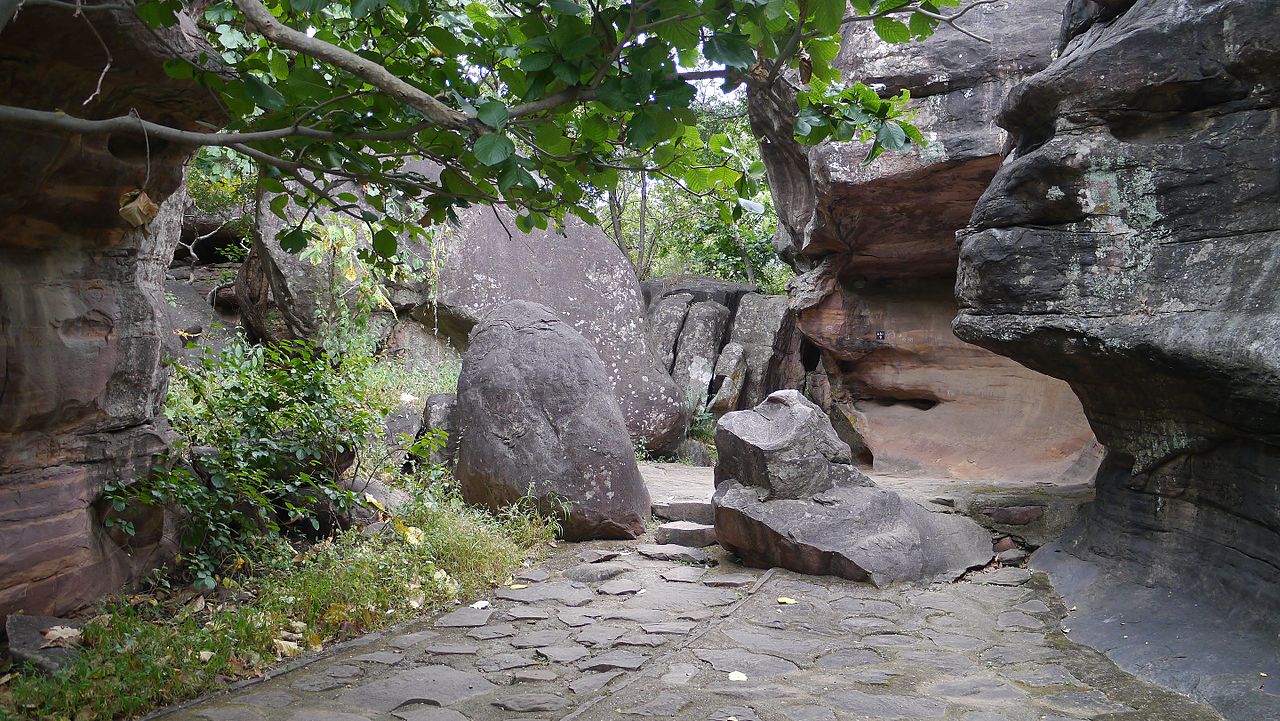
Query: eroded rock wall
(82,312)
(876,244)
(1130,245)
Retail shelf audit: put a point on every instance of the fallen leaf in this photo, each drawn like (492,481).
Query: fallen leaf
(518,586)
(290,636)
(737,676)
(197,605)
(416,601)
(60,637)
(480,604)
(6,678)
(205,656)
(786,601)
(286,648)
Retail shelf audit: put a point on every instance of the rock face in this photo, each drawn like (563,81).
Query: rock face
(701,336)
(82,310)
(535,416)
(876,243)
(585,279)
(788,495)
(1129,245)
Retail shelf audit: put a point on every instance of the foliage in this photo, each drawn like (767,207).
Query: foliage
(222,184)
(537,105)
(160,648)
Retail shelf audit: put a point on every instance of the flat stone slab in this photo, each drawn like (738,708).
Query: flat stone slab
(672,552)
(684,574)
(26,641)
(563,654)
(730,580)
(597,555)
(754,665)
(531,702)
(562,592)
(614,661)
(429,713)
(593,682)
(465,617)
(595,572)
(436,685)
(491,631)
(619,587)
(686,533)
(680,493)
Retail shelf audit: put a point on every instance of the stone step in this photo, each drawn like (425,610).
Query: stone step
(679,492)
(686,533)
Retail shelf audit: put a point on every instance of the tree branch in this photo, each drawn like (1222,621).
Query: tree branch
(436,112)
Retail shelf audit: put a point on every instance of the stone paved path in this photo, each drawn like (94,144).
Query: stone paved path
(630,636)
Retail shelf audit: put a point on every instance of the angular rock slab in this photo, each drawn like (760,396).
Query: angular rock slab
(435,685)
(686,533)
(786,446)
(855,532)
(537,416)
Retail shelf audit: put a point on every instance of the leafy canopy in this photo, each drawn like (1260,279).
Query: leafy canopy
(539,105)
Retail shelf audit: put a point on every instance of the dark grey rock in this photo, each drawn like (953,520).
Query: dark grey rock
(489,632)
(597,555)
(26,641)
(452,649)
(754,665)
(677,628)
(428,713)
(699,288)
(533,575)
(666,318)
(525,613)
(672,552)
(666,705)
(530,702)
(544,637)
(600,634)
(594,572)
(686,533)
(697,348)
(730,580)
(563,654)
(694,452)
(465,617)
(614,660)
(529,376)
(386,658)
(619,587)
(505,662)
(889,707)
(562,592)
(437,685)
(684,574)
(533,675)
(785,446)
(855,532)
(588,282)
(729,378)
(593,682)
(440,413)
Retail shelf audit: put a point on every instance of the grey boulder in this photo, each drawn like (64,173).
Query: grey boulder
(537,418)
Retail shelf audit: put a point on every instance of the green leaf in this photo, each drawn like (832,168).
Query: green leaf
(384,243)
(828,14)
(308,6)
(732,49)
(537,61)
(891,136)
(361,8)
(493,149)
(178,69)
(493,113)
(264,95)
(921,26)
(293,241)
(566,7)
(445,41)
(891,31)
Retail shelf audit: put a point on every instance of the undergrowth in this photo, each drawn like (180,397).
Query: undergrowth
(149,650)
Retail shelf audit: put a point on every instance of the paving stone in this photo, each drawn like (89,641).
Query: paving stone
(562,592)
(808,713)
(1082,703)
(672,552)
(488,632)
(754,665)
(1040,676)
(1012,556)
(890,640)
(575,618)
(873,677)
(614,660)
(387,658)
(666,705)
(452,649)
(955,641)
(505,662)
(320,714)
(531,702)
(619,587)
(597,555)
(885,707)
(1019,620)
(1035,605)
(563,654)
(778,643)
(528,613)
(534,675)
(676,597)
(639,615)
(866,607)
(316,684)
(686,533)
(27,641)
(533,575)
(344,671)
(411,639)
(679,674)
(677,628)
(271,698)
(1003,655)
(436,685)
(976,690)
(729,580)
(736,713)
(600,634)
(465,617)
(641,639)
(684,574)
(984,716)
(867,624)
(429,713)
(594,572)
(849,658)
(230,713)
(593,682)
(1007,576)
(545,637)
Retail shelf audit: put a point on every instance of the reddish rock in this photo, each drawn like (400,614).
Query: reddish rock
(1014,515)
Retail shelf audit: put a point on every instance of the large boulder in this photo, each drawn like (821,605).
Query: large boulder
(82,312)
(701,336)
(589,282)
(875,244)
(758,326)
(788,495)
(666,320)
(1129,245)
(536,417)
(786,447)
